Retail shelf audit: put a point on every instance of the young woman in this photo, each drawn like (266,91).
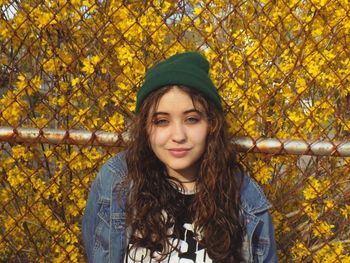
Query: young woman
(177,194)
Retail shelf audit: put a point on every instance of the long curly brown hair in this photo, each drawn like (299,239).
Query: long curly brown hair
(216,204)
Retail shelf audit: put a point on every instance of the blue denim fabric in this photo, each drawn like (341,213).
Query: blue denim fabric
(103,226)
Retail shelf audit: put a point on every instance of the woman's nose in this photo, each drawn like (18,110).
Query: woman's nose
(179,133)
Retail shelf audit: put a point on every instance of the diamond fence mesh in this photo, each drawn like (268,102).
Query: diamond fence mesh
(282,68)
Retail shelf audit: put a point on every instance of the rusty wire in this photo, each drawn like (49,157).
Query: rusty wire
(242,144)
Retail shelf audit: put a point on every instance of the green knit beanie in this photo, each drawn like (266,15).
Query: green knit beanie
(189,69)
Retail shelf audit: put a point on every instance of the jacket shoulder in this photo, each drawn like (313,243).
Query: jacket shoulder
(113,171)
(253,199)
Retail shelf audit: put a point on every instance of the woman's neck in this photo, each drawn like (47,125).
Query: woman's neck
(184,179)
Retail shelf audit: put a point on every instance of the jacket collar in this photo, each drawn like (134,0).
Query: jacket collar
(253,200)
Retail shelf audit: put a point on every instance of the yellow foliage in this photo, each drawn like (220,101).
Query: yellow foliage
(316,188)
(299,250)
(282,68)
(323,229)
(333,252)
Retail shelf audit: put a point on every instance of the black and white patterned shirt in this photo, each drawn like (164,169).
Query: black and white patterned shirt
(182,234)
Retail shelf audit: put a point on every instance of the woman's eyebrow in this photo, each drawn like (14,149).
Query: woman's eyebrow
(160,113)
(193,110)
(185,112)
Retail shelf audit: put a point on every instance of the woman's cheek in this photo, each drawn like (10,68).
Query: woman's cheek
(159,137)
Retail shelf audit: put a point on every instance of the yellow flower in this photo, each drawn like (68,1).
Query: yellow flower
(316,188)
(299,250)
(329,204)
(311,211)
(22,82)
(46,18)
(197,11)
(345,211)
(88,67)
(95,59)
(332,252)
(322,229)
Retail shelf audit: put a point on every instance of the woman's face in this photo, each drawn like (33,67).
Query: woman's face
(177,133)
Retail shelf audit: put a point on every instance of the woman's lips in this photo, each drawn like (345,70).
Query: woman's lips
(179,152)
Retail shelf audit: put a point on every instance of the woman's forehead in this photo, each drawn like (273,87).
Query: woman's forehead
(176,99)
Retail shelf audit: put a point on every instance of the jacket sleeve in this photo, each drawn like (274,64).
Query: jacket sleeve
(90,218)
(112,172)
(266,231)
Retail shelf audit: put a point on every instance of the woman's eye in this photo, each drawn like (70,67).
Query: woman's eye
(192,120)
(160,122)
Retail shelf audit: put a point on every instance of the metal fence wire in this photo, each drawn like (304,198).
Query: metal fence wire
(69,71)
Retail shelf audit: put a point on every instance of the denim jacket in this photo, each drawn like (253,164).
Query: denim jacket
(103,226)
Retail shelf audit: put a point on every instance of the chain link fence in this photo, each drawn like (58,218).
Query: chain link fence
(69,71)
